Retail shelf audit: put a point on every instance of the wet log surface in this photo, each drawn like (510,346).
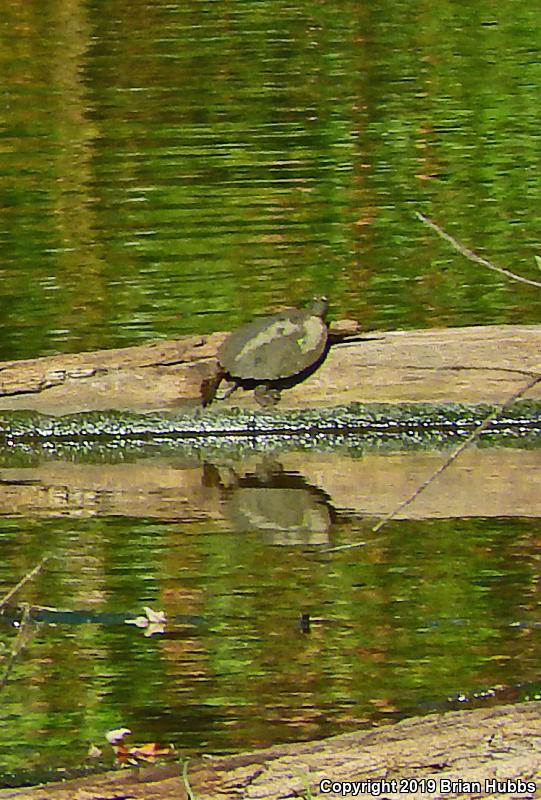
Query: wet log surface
(471,364)
(455,754)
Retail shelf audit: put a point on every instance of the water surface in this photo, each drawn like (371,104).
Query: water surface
(176,167)
(436,611)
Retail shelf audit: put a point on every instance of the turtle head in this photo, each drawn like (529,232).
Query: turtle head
(318,307)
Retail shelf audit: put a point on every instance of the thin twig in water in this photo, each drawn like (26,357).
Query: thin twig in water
(28,577)
(454,455)
(482,425)
(465,251)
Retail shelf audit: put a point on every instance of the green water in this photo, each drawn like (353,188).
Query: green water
(423,612)
(175,167)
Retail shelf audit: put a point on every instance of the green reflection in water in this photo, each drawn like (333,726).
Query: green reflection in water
(419,614)
(177,167)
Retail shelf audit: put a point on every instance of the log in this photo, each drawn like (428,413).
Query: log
(142,377)
(471,364)
(461,754)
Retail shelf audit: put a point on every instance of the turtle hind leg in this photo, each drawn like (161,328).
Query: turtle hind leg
(266,395)
(231,386)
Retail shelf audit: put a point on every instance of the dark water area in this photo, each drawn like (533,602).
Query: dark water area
(169,168)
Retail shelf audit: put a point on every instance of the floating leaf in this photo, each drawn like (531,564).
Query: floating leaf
(148,753)
(153,621)
(122,754)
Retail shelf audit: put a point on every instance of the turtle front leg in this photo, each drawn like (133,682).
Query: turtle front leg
(209,386)
(267,395)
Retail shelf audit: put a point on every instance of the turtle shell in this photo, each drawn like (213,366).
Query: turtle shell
(275,347)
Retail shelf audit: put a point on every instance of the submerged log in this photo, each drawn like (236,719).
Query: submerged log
(471,364)
(464,754)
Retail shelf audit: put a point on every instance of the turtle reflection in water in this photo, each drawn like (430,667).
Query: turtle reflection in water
(272,352)
(276,502)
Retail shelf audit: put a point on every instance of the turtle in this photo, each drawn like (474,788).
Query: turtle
(272,352)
